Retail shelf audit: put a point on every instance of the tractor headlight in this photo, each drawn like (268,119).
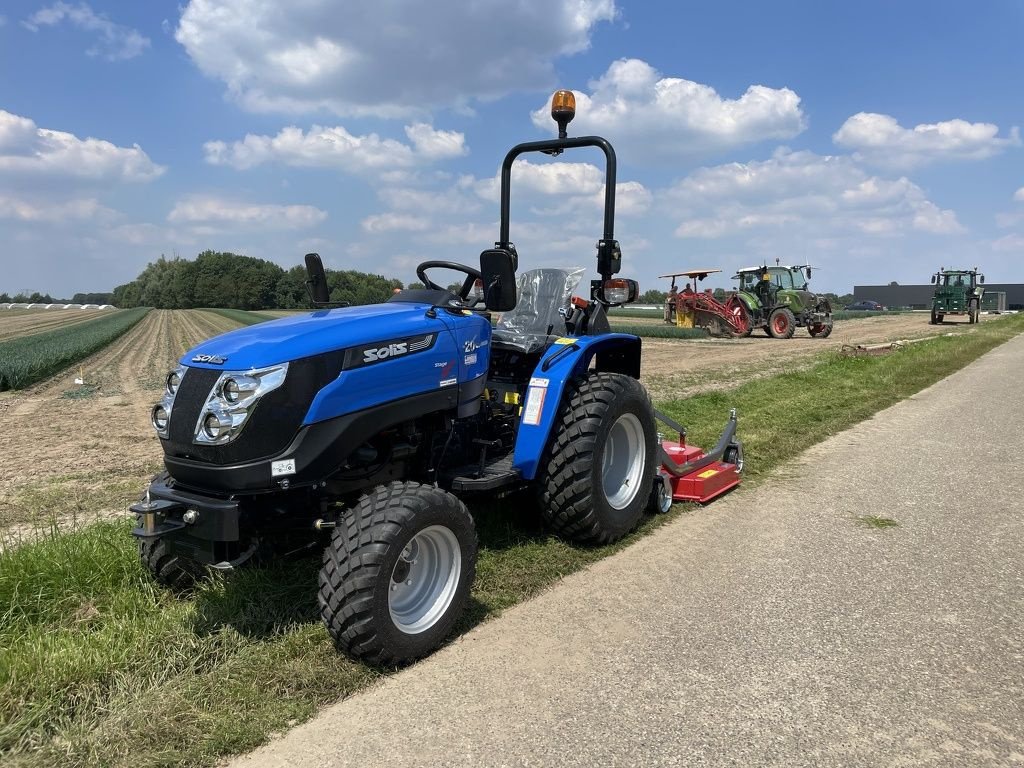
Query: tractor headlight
(231,401)
(160,416)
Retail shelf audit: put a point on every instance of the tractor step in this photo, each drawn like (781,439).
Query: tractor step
(496,474)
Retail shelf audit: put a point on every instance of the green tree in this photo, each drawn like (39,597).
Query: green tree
(652,296)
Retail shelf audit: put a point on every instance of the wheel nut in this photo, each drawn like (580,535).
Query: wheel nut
(190,516)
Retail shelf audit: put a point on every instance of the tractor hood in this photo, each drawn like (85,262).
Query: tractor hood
(306,335)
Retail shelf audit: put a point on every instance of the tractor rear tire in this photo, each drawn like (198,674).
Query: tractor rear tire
(595,478)
(175,571)
(397,573)
(781,324)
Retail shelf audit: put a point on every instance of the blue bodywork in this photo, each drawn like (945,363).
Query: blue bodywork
(460,354)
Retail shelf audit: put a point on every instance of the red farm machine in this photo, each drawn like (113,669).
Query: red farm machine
(695,308)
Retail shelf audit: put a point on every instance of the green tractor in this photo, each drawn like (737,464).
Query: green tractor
(778,300)
(957,292)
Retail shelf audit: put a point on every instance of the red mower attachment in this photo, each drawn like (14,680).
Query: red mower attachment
(690,474)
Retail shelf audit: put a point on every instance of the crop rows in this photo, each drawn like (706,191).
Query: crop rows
(28,359)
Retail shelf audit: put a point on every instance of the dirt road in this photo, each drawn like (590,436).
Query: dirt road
(69,450)
(773,628)
(675,368)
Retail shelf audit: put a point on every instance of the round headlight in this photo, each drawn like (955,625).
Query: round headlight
(173,380)
(159,417)
(231,391)
(211,425)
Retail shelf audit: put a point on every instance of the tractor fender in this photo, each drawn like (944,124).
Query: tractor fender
(749,300)
(566,358)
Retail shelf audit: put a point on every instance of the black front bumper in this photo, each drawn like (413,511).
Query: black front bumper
(204,528)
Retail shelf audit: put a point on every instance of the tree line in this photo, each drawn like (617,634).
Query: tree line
(45,298)
(232,281)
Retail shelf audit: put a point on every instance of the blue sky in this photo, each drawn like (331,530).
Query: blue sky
(875,140)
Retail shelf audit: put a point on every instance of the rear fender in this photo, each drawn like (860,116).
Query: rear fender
(566,358)
(749,300)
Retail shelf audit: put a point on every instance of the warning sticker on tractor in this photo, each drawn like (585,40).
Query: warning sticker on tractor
(534,405)
(707,473)
(565,340)
(536,381)
(284,467)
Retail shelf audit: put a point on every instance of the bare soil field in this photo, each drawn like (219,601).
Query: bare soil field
(674,368)
(22,322)
(70,451)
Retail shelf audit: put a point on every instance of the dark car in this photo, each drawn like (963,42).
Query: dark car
(868,306)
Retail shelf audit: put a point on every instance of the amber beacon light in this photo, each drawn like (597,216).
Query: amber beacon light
(563,110)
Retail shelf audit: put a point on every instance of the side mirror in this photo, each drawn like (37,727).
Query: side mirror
(316,280)
(808,273)
(981,279)
(621,291)
(498,267)
(933,278)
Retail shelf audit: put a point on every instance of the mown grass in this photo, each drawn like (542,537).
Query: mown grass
(241,316)
(98,667)
(28,359)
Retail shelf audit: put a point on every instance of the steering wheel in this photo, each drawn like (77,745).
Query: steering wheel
(472,275)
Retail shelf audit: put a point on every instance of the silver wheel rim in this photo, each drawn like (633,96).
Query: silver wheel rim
(625,453)
(664,498)
(424,580)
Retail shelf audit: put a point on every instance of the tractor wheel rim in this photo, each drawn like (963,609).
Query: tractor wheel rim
(780,324)
(625,454)
(425,579)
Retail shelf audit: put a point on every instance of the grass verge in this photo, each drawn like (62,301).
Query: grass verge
(659,331)
(98,667)
(28,359)
(241,316)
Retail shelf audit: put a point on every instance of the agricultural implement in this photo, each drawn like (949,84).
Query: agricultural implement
(778,300)
(694,308)
(957,292)
(369,426)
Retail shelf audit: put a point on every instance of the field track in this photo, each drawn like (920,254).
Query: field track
(93,444)
(24,322)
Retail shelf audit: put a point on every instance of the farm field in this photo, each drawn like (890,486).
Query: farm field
(82,451)
(22,322)
(79,453)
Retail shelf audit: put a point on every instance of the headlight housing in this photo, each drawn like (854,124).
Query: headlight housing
(160,416)
(231,401)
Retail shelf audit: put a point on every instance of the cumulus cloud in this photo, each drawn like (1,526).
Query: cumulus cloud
(209,209)
(383,59)
(114,42)
(1019,195)
(84,209)
(803,192)
(26,149)
(336,147)
(1009,244)
(391,222)
(657,116)
(881,140)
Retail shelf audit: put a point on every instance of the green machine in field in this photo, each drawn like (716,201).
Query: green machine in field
(778,299)
(957,292)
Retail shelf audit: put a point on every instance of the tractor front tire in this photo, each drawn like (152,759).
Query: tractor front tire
(781,324)
(595,477)
(972,312)
(397,573)
(168,568)
(821,330)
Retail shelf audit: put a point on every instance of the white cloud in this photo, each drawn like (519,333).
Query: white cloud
(881,140)
(26,149)
(85,209)
(802,193)
(391,222)
(208,209)
(114,42)
(1009,244)
(1019,195)
(654,116)
(384,59)
(336,147)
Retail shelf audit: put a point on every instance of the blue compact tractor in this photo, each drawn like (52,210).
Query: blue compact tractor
(372,424)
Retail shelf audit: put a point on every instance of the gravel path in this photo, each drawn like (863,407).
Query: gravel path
(771,628)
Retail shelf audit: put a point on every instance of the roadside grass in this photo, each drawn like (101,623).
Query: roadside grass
(241,316)
(99,667)
(28,359)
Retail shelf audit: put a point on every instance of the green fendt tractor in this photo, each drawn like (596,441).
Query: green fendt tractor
(957,292)
(778,300)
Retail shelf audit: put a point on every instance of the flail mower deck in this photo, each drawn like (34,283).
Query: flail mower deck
(689,474)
